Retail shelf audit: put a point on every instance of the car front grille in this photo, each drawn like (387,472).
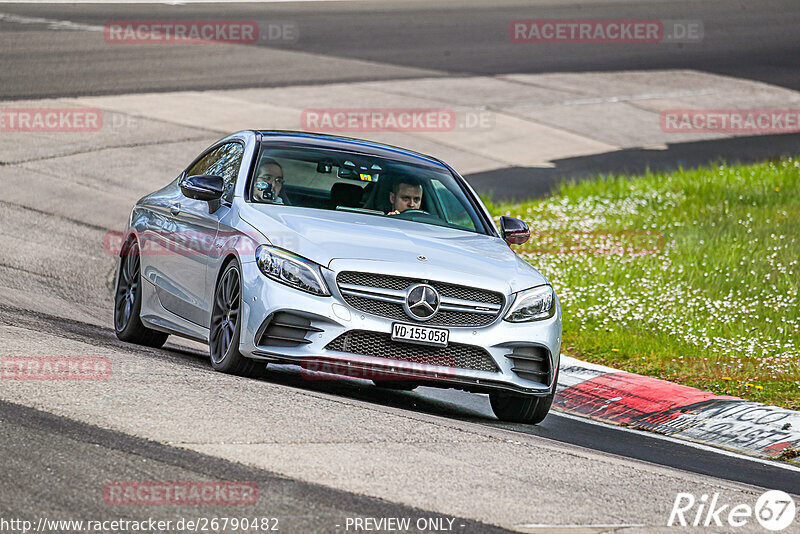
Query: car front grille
(380,345)
(383,295)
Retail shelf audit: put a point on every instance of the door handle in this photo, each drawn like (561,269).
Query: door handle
(175,209)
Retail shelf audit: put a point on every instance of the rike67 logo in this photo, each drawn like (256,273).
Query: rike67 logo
(774,510)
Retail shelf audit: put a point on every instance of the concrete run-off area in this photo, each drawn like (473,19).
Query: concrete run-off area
(491,122)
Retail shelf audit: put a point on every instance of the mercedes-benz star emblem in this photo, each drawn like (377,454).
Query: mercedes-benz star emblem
(422,302)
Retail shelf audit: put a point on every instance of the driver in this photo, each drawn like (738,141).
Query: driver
(406,194)
(269,182)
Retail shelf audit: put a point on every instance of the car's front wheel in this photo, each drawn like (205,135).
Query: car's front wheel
(226,319)
(128,301)
(522,409)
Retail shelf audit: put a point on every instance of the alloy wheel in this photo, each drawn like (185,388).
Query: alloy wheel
(225,315)
(127,286)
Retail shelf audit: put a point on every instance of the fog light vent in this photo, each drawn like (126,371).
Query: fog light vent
(531,363)
(285,329)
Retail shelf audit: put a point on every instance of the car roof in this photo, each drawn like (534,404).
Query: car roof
(336,142)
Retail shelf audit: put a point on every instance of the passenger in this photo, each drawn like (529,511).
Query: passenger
(269,182)
(406,194)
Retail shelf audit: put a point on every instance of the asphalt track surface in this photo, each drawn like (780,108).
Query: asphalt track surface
(69,461)
(86,458)
(755,39)
(64,461)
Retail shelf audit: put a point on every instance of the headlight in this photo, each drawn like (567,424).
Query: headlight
(291,269)
(532,305)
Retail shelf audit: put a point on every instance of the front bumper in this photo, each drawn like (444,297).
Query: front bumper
(330,317)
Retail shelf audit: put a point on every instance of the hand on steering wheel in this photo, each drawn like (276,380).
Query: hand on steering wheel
(409,211)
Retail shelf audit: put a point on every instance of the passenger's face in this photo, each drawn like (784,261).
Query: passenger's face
(408,197)
(272,174)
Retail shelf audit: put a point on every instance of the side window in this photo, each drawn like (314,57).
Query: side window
(222,161)
(201,166)
(229,158)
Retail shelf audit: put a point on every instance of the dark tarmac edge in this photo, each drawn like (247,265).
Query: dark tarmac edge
(15,416)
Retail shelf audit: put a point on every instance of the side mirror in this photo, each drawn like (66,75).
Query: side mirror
(514,231)
(203,187)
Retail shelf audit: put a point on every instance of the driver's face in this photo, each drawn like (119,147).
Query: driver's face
(408,197)
(269,173)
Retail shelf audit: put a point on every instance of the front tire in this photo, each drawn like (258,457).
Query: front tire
(519,409)
(522,409)
(128,301)
(226,325)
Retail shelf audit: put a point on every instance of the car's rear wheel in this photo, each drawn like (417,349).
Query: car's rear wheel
(128,301)
(522,409)
(226,322)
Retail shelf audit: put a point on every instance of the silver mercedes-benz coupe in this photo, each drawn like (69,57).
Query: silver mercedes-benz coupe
(345,257)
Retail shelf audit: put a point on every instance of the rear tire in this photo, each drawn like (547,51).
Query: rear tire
(128,301)
(226,325)
(522,409)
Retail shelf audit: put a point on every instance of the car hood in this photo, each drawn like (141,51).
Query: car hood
(325,236)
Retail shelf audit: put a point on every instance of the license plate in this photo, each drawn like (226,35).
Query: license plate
(422,335)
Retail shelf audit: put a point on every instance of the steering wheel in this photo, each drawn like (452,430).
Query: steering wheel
(418,216)
(410,212)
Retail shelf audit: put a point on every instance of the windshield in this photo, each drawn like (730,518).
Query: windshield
(335,180)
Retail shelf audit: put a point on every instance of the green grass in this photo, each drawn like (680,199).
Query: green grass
(690,276)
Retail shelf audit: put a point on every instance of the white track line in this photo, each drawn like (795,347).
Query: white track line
(170,2)
(612,527)
(53,24)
